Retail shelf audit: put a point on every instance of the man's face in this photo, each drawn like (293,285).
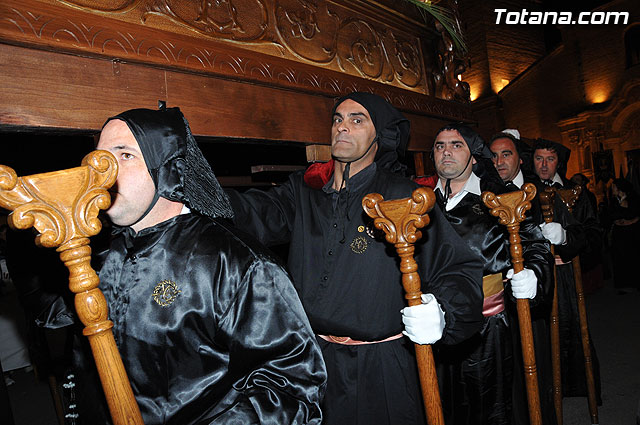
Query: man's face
(545,163)
(352,132)
(506,159)
(451,156)
(134,189)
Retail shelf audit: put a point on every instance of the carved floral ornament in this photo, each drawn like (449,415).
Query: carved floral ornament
(631,131)
(374,52)
(510,207)
(315,31)
(332,35)
(400,219)
(61,205)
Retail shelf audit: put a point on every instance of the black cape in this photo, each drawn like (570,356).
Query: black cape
(587,243)
(210,328)
(354,288)
(482,379)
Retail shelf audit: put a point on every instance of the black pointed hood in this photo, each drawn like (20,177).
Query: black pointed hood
(177,166)
(483,168)
(392,129)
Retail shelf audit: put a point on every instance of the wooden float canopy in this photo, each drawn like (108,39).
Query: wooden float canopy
(266,70)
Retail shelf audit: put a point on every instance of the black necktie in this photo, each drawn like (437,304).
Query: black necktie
(510,186)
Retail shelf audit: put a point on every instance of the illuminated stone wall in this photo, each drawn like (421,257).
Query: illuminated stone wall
(580,94)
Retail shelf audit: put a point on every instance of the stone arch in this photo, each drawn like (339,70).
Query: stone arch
(624,116)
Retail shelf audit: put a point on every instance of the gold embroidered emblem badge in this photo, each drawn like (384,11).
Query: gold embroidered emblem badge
(359,244)
(165,293)
(476,208)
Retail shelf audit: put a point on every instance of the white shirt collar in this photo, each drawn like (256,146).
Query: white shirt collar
(518,180)
(558,179)
(185,210)
(472,185)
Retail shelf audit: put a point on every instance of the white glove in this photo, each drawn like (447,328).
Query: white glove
(424,323)
(524,284)
(554,232)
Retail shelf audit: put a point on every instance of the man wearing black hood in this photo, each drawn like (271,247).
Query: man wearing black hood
(481,376)
(512,159)
(209,326)
(348,277)
(550,165)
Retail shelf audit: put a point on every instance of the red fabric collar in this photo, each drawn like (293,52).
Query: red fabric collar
(318,174)
(430,181)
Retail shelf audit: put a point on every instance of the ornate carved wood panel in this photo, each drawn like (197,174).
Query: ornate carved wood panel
(270,63)
(345,36)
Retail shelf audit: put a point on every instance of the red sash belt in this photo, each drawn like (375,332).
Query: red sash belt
(345,340)
(493,289)
(559,261)
(493,304)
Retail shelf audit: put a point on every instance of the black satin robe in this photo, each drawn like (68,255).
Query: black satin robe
(229,344)
(482,379)
(585,220)
(349,281)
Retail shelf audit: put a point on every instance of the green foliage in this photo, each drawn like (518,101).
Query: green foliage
(446,19)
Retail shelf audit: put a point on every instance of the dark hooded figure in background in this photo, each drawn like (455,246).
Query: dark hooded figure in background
(348,277)
(209,326)
(550,161)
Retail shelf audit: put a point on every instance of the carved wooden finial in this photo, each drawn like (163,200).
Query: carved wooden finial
(400,218)
(63,207)
(570,196)
(510,208)
(546,198)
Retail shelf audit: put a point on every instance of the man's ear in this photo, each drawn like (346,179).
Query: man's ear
(473,160)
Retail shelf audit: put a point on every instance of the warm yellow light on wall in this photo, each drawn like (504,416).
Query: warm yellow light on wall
(597,97)
(598,93)
(474,91)
(499,84)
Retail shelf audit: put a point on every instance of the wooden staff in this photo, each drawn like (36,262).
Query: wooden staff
(510,208)
(546,204)
(570,197)
(400,220)
(63,206)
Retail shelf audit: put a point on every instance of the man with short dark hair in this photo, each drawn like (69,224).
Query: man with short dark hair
(508,156)
(565,232)
(348,277)
(550,165)
(482,376)
(209,326)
